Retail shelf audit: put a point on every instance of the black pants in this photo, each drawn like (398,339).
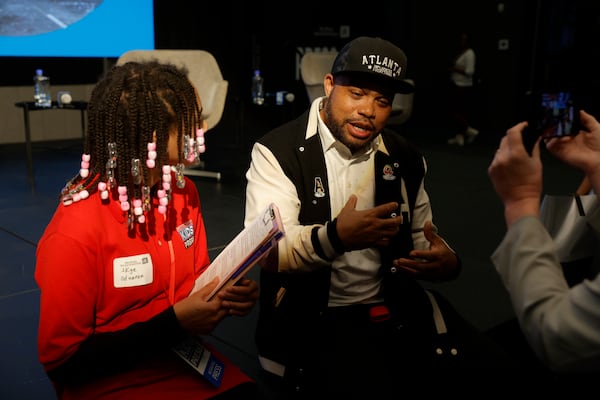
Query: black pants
(461,103)
(358,358)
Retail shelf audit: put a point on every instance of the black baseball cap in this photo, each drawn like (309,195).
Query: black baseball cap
(374,57)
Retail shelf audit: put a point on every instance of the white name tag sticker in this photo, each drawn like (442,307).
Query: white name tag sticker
(132,271)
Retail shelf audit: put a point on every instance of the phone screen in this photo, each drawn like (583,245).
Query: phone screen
(557,115)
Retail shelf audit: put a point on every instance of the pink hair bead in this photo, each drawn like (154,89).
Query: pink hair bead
(122,193)
(200,140)
(141,219)
(85,165)
(166,178)
(123,198)
(137,207)
(150,162)
(76,197)
(163,200)
(84,194)
(102,186)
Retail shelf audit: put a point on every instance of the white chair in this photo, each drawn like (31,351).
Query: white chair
(205,74)
(315,65)
(402,107)
(313,68)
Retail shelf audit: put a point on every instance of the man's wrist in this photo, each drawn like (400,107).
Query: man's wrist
(334,237)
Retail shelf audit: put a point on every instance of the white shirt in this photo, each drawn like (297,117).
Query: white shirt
(466,62)
(355,276)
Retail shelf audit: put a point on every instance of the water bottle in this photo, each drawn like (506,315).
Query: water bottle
(258,90)
(41,89)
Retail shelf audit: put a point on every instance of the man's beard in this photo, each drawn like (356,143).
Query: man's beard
(337,130)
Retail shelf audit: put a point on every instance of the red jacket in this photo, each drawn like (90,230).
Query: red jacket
(97,277)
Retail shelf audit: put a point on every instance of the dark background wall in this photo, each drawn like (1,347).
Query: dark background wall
(549,42)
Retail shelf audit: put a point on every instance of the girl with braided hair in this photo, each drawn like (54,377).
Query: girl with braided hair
(118,260)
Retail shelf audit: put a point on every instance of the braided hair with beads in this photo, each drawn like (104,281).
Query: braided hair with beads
(132,112)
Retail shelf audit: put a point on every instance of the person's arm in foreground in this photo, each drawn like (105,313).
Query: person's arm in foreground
(560,323)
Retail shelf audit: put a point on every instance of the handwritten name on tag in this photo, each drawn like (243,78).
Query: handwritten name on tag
(132,271)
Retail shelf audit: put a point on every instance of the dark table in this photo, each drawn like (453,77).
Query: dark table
(28,106)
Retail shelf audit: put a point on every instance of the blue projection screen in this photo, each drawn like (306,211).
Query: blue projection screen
(81,28)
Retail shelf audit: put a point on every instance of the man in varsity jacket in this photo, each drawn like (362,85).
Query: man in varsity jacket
(342,311)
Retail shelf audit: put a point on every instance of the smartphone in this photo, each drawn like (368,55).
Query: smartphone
(556,115)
